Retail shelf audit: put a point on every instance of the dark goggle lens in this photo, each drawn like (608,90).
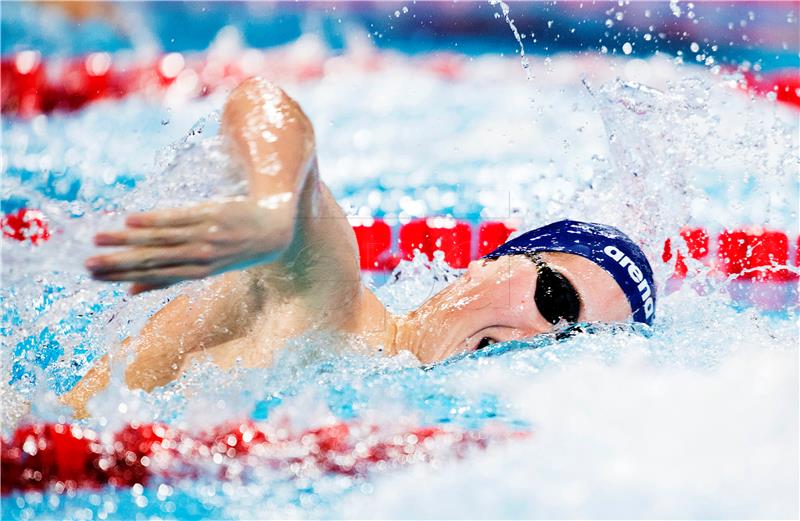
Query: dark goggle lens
(555,297)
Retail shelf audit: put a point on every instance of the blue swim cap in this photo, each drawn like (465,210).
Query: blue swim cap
(604,245)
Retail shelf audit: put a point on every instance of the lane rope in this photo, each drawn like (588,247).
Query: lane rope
(32,85)
(749,253)
(68,457)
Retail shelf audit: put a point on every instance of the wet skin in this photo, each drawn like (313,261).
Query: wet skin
(284,262)
(494,300)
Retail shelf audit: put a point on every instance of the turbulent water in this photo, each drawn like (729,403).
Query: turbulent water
(697,419)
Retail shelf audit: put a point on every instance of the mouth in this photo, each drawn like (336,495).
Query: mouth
(443,339)
(477,341)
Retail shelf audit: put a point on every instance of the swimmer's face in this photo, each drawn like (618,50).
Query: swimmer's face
(497,301)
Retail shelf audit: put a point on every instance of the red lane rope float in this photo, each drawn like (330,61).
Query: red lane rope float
(31,87)
(25,225)
(754,254)
(750,253)
(450,236)
(784,84)
(66,456)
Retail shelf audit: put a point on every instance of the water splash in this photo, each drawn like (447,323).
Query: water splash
(701,151)
(505,10)
(703,354)
(415,281)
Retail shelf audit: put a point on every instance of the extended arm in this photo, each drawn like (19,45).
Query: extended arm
(273,226)
(274,141)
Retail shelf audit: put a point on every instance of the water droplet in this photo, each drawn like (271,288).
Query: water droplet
(627,48)
(675,8)
(694,47)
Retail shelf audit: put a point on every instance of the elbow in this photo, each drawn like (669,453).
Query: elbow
(261,98)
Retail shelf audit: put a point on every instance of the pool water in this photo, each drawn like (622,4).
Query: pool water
(696,418)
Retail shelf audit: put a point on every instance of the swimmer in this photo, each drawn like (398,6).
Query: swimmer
(285,263)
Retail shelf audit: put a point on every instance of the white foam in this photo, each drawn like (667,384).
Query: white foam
(626,441)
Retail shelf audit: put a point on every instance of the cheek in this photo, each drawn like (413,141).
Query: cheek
(495,296)
(508,304)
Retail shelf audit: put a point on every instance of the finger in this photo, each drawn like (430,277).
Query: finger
(161,277)
(146,237)
(147,258)
(140,287)
(171,217)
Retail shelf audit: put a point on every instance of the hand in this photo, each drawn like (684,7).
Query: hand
(170,246)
